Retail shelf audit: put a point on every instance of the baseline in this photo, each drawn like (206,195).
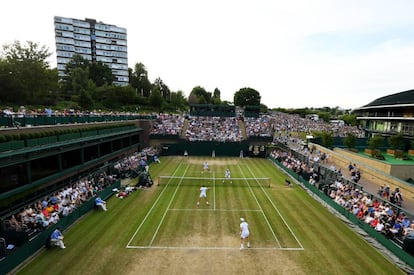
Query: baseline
(215,248)
(279,213)
(260,207)
(150,211)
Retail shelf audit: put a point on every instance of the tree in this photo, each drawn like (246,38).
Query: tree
(325,116)
(374,143)
(139,80)
(349,119)
(199,95)
(85,100)
(246,96)
(216,96)
(117,97)
(163,88)
(30,53)
(76,76)
(25,76)
(156,100)
(396,141)
(263,108)
(193,99)
(101,74)
(178,101)
(350,140)
(327,139)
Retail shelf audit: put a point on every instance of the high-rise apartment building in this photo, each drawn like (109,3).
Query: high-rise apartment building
(94,41)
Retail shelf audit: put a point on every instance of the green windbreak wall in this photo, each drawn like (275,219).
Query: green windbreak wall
(206,148)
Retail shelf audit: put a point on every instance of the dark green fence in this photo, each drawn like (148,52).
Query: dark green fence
(205,148)
(9,121)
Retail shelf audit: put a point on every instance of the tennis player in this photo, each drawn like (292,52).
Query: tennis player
(203,194)
(205,167)
(227,175)
(244,233)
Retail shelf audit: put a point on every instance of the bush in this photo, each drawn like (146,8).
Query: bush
(396,141)
(350,140)
(24,136)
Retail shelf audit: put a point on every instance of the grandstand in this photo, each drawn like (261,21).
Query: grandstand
(253,135)
(218,128)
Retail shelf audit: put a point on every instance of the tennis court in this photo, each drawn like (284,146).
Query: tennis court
(161,230)
(184,225)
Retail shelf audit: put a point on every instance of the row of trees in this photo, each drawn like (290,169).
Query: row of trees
(397,145)
(324,113)
(27,79)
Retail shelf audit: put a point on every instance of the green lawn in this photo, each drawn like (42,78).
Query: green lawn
(162,231)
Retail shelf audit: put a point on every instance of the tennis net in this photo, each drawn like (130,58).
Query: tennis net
(209,182)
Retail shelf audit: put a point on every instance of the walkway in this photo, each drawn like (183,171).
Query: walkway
(370,185)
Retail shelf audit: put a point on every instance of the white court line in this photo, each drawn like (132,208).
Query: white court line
(212,248)
(264,215)
(214,190)
(215,210)
(149,212)
(168,207)
(278,211)
(206,248)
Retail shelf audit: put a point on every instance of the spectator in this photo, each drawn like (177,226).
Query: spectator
(100,203)
(14,223)
(57,238)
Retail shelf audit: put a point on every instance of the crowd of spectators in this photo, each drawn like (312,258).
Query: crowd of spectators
(222,129)
(225,129)
(23,112)
(290,162)
(380,213)
(136,162)
(61,203)
(259,127)
(37,216)
(294,123)
(168,124)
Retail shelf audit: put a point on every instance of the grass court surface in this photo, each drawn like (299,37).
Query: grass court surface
(162,231)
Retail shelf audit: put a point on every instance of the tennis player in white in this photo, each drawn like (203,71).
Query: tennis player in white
(205,167)
(244,233)
(227,175)
(203,194)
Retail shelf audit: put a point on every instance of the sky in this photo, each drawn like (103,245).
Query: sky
(296,53)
